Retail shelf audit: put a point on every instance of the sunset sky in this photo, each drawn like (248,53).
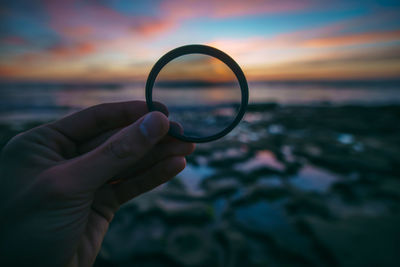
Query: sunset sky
(111,40)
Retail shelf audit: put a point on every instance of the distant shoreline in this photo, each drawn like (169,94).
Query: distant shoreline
(339,84)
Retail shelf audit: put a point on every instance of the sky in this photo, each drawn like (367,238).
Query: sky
(119,41)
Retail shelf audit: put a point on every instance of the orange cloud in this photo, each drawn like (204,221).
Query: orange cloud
(332,70)
(351,39)
(149,27)
(72,50)
(8,71)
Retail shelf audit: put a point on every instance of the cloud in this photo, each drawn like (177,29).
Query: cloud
(230,8)
(14,40)
(280,47)
(8,71)
(362,56)
(356,38)
(74,50)
(80,20)
(76,34)
(317,53)
(77,31)
(303,43)
(151,27)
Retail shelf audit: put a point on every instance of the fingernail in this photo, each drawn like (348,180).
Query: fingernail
(175,127)
(152,126)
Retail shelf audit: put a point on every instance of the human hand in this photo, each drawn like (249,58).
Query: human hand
(62,182)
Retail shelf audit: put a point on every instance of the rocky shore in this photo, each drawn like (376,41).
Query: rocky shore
(292,185)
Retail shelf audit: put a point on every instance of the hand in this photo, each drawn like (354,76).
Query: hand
(62,182)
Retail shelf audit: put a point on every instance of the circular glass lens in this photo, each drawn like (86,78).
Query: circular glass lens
(201,93)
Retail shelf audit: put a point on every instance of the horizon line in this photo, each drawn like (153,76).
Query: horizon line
(199,82)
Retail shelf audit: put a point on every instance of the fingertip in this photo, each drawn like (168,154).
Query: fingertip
(192,148)
(183,163)
(176,127)
(164,121)
(162,117)
(176,164)
(187,148)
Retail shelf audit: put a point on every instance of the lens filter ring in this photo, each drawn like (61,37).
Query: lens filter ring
(205,50)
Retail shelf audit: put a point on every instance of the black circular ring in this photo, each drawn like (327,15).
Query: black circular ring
(207,50)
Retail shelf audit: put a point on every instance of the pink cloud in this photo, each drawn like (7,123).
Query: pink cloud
(327,36)
(91,20)
(77,31)
(152,27)
(230,8)
(14,40)
(80,20)
(279,42)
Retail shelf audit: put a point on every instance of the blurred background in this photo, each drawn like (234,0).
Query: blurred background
(310,177)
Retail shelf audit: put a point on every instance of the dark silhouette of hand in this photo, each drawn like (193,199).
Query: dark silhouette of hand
(62,182)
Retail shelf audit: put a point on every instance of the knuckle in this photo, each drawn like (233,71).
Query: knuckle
(15,146)
(97,107)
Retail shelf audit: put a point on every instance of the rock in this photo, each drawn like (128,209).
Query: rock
(190,246)
(234,244)
(270,182)
(260,192)
(263,160)
(268,221)
(357,241)
(175,184)
(221,187)
(312,178)
(185,211)
(276,129)
(145,203)
(345,138)
(308,204)
(390,187)
(129,236)
(226,174)
(346,191)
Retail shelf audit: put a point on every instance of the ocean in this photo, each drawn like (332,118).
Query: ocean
(20,103)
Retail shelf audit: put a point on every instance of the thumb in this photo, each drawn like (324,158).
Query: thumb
(120,151)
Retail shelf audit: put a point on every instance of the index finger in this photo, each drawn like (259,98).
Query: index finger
(95,120)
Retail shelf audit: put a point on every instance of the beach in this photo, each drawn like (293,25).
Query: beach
(313,183)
